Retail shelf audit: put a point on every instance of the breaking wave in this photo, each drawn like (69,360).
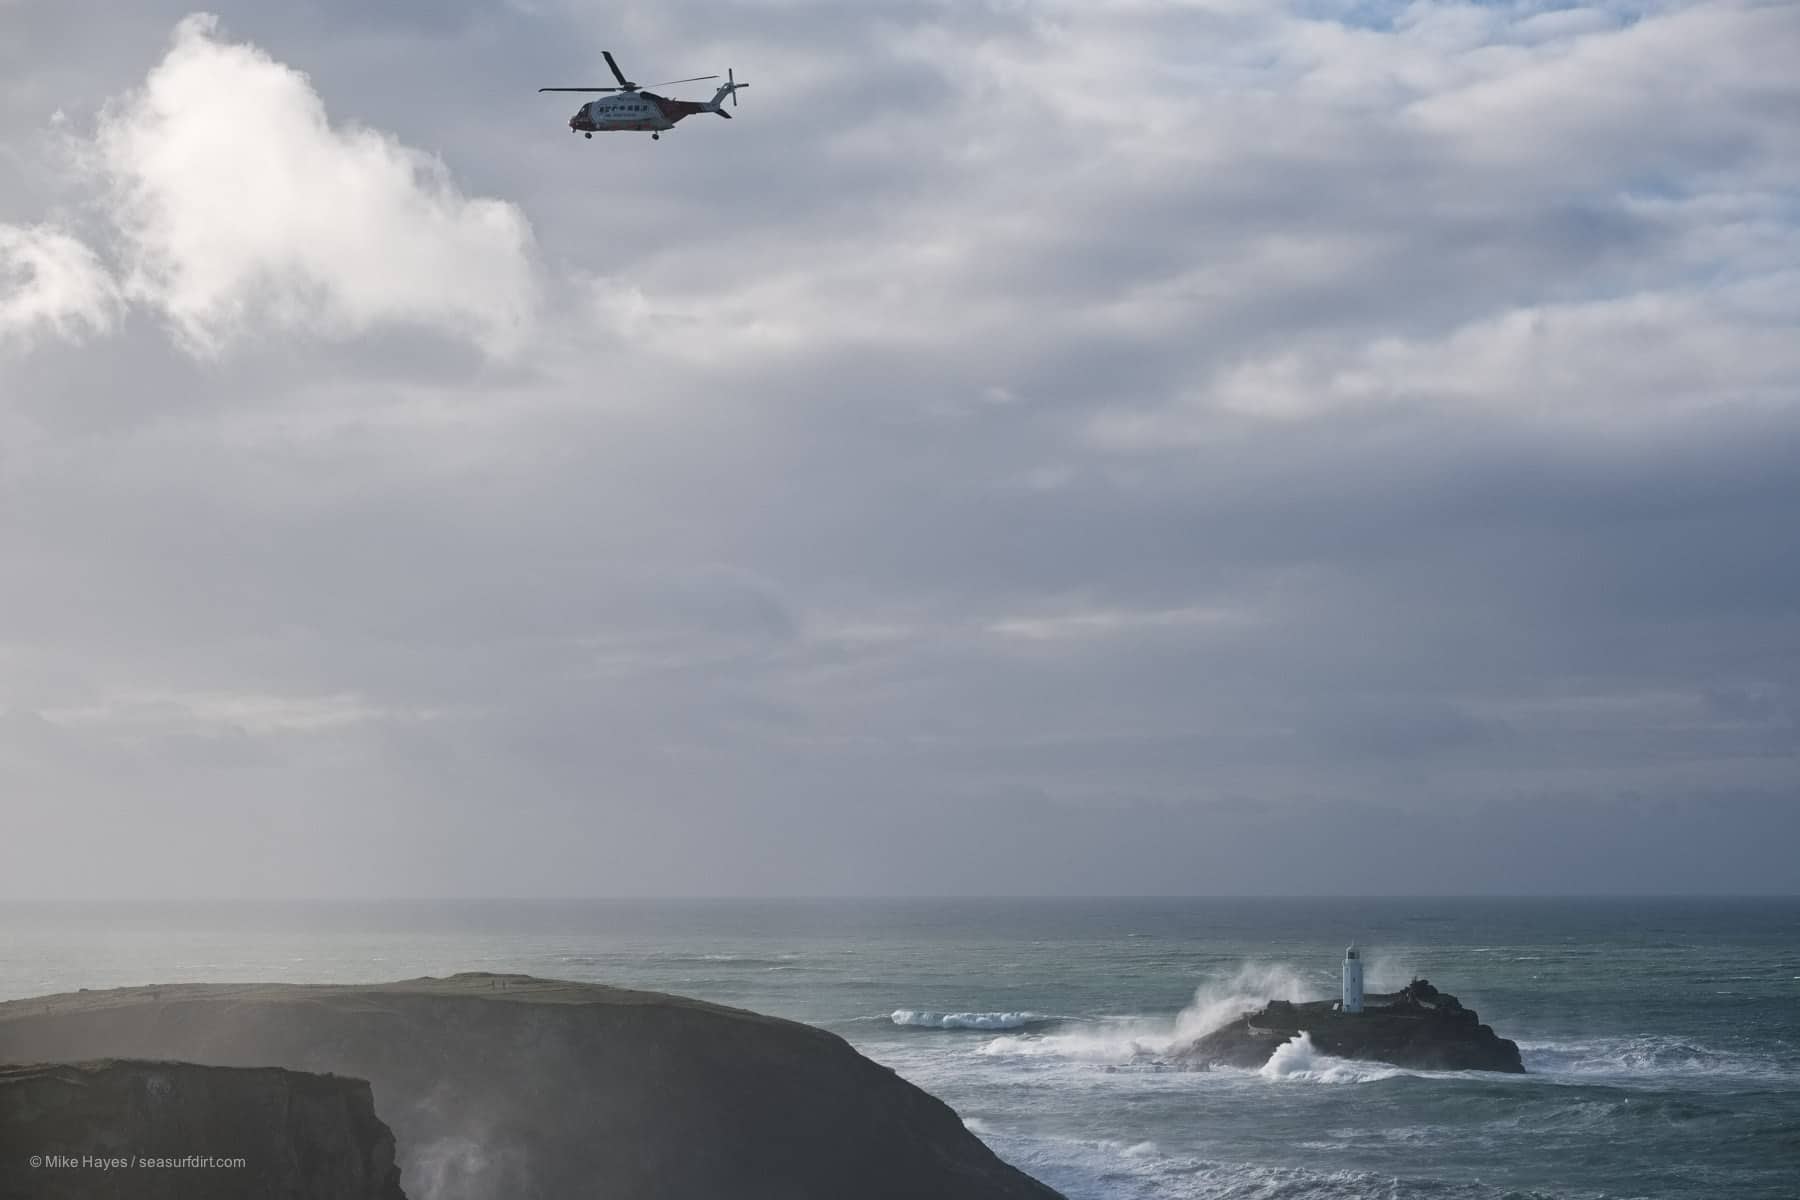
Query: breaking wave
(1144,1041)
(1300,1060)
(916,1019)
(1109,1042)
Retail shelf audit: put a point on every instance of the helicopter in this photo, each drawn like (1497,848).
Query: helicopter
(634,109)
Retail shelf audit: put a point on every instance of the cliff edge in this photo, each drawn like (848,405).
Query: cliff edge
(515,1088)
(114,1130)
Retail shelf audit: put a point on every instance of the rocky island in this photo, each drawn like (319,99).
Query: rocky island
(505,1087)
(1418,1027)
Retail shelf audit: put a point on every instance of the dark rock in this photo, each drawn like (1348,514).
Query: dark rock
(112,1130)
(513,1088)
(1418,1027)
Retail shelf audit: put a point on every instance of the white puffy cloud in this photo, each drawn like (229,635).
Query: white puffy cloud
(51,282)
(244,209)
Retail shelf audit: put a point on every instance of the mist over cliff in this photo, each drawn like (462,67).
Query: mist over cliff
(514,1088)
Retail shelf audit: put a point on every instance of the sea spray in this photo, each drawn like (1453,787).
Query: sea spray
(1109,1041)
(1255,984)
(1390,970)
(1120,1041)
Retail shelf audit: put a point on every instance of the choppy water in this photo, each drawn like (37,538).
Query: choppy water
(1662,1036)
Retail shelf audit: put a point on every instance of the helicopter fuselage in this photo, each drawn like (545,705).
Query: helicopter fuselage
(643,112)
(629,108)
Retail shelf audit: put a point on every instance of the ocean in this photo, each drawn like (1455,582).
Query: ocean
(1661,1036)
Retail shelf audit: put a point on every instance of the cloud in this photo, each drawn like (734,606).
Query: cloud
(1129,436)
(52,284)
(1206,193)
(244,211)
(1640,358)
(1080,626)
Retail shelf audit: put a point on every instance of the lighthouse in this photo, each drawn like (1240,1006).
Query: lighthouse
(1353,993)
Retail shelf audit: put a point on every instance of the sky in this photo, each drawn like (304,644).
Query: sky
(1038,447)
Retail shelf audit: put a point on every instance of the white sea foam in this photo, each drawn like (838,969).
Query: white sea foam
(916,1019)
(1108,1041)
(1147,1040)
(1300,1060)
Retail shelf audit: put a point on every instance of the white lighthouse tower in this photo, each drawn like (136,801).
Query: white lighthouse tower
(1353,992)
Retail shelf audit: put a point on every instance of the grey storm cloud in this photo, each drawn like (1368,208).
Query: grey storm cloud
(1039,447)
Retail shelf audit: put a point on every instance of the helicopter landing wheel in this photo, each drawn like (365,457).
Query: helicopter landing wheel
(656,137)
(588,136)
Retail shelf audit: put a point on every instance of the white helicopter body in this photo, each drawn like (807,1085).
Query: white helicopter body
(632,109)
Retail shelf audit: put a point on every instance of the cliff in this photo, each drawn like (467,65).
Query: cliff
(1418,1027)
(512,1088)
(114,1130)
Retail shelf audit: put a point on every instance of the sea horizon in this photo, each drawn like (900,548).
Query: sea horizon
(1054,1025)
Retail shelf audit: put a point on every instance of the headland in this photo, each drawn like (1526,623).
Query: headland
(528,1089)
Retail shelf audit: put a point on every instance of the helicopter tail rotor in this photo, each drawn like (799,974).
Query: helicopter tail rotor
(728,88)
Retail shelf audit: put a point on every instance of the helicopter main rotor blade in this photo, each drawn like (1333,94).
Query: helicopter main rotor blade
(581,89)
(617,74)
(673,82)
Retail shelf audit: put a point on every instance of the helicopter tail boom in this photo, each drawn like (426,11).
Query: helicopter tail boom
(728,88)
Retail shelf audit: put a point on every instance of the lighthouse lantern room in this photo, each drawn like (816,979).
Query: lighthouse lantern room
(1353,981)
